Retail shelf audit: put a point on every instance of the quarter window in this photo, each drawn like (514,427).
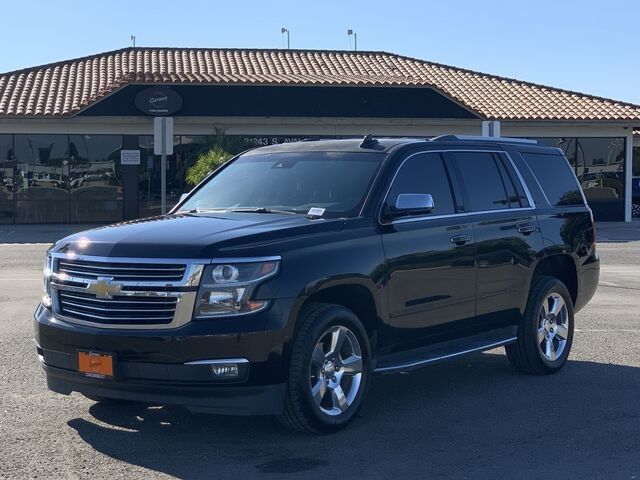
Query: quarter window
(481,180)
(559,183)
(424,173)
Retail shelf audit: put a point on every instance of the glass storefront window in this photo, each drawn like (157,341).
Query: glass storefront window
(599,165)
(600,169)
(185,153)
(7,180)
(149,175)
(42,172)
(566,144)
(635,183)
(62,178)
(95,179)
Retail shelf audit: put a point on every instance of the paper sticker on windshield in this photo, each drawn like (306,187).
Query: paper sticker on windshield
(315,212)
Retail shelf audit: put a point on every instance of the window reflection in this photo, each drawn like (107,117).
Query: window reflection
(7,167)
(149,176)
(42,171)
(62,178)
(95,184)
(186,150)
(566,144)
(599,165)
(600,168)
(635,183)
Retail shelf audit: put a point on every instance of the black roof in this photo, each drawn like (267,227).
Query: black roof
(381,144)
(336,145)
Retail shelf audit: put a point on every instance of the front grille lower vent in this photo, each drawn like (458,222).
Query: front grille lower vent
(119,310)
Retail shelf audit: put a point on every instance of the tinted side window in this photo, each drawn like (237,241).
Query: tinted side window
(514,200)
(556,178)
(481,180)
(424,173)
(515,181)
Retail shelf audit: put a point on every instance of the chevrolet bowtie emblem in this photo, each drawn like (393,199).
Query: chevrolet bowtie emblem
(103,288)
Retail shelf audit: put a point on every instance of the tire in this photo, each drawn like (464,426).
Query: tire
(313,374)
(544,341)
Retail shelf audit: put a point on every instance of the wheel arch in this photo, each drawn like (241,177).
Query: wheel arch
(561,266)
(357,293)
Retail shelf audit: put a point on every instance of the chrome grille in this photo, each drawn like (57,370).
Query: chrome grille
(135,272)
(115,292)
(118,310)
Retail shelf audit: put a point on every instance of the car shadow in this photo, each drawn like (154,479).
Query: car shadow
(472,418)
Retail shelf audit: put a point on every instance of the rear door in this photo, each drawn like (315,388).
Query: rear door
(506,231)
(430,259)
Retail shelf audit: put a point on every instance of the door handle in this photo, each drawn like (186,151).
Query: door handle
(461,239)
(527,229)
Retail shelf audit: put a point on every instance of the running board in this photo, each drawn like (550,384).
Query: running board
(439,353)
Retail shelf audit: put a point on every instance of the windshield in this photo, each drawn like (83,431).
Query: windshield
(294,182)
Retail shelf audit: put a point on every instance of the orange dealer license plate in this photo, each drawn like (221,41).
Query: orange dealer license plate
(95,365)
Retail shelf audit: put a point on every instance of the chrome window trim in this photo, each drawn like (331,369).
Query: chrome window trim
(531,207)
(461,214)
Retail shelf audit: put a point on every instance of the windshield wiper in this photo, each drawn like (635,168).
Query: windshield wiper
(261,210)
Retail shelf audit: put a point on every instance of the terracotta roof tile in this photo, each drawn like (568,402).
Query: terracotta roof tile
(66,88)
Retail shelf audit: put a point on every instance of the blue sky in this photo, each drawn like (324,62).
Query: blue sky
(585,45)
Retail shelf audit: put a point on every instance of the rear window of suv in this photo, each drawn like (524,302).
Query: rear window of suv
(558,182)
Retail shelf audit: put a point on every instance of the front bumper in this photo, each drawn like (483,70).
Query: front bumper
(220,399)
(152,366)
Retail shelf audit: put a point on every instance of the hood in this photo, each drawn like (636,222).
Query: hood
(203,235)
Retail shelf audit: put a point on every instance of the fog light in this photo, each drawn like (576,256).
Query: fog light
(46,300)
(225,370)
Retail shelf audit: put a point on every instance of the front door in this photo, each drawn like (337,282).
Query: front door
(430,260)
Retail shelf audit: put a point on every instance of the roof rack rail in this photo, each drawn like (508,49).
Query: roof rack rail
(368,141)
(478,138)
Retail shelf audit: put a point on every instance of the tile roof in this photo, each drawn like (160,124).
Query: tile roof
(65,88)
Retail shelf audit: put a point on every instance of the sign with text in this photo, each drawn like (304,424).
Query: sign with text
(158,101)
(130,157)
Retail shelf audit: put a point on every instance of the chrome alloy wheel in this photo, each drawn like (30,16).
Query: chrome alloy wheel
(553,327)
(336,370)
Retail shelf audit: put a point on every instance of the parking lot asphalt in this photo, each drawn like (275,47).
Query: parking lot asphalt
(471,418)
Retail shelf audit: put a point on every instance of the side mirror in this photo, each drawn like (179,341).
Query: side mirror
(411,204)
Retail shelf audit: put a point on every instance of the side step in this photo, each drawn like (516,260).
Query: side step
(410,360)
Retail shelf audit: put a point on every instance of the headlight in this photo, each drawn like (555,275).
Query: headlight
(46,284)
(227,288)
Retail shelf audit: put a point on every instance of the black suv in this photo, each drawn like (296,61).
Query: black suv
(293,273)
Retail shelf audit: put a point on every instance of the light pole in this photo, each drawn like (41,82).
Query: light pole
(355,39)
(284,30)
(133,40)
